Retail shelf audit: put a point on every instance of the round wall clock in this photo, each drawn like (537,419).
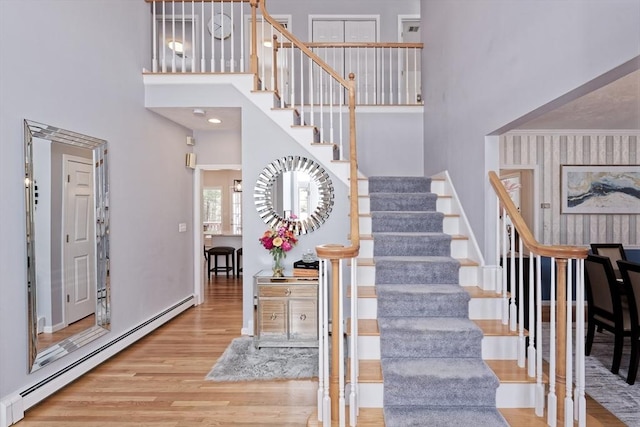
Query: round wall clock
(220,26)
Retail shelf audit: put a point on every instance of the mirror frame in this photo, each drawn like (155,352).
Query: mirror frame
(102,311)
(263,194)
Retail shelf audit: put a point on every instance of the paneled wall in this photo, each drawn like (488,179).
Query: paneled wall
(548,151)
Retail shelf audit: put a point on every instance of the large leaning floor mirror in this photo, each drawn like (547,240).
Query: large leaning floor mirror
(67,217)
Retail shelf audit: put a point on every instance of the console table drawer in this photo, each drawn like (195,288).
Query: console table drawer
(292,291)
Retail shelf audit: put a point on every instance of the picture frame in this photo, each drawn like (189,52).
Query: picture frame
(600,189)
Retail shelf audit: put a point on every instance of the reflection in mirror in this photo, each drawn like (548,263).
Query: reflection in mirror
(295,191)
(67,214)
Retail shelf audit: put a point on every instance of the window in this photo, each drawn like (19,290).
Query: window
(236,213)
(212,209)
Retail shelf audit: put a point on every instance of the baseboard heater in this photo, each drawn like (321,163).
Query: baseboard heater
(12,409)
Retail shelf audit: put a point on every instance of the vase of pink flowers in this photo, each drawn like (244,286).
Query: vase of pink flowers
(278,242)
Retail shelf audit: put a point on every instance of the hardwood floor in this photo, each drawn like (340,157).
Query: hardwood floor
(159,382)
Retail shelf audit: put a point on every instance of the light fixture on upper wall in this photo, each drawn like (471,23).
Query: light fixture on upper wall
(214,120)
(176,46)
(237,185)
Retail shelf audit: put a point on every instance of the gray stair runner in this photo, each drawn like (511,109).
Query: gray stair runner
(431,352)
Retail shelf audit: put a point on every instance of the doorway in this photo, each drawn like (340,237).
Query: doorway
(409,62)
(524,194)
(362,62)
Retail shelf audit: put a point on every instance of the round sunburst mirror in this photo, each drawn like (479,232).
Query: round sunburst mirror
(294,191)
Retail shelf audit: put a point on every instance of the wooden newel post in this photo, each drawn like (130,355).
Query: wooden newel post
(561,338)
(253,55)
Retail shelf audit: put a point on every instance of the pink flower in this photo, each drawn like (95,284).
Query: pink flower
(286,246)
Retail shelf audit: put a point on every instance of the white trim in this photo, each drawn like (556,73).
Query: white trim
(340,17)
(54,328)
(631,132)
(198,276)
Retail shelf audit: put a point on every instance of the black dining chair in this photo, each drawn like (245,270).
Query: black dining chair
(605,306)
(614,251)
(630,272)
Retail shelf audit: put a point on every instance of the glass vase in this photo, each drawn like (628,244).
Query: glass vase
(278,268)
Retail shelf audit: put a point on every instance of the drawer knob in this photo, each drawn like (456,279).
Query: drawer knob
(287,292)
(274,316)
(303,316)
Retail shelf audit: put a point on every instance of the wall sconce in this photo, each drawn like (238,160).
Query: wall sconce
(237,185)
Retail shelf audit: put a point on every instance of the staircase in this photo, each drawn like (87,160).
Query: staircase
(424,317)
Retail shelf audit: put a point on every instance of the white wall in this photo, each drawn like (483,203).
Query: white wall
(77,65)
(489,62)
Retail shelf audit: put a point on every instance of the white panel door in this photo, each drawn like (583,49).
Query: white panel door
(362,62)
(79,240)
(410,90)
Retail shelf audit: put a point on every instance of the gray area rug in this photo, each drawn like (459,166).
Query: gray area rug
(610,390)
(241,361)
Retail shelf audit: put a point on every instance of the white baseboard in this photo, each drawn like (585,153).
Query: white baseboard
(12,408)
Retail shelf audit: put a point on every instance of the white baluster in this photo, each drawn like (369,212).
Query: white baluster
(391,75)
(552,400)
(311,113)
(164,38)
(531,353)
(242,56)
(203,62)
(213,45)
(173,36)
(416,64)
(540,388)
(193,37)
(505,301)
(521,340)
(581,401)
(222,43)
(184,42)
(232,61)
(154,42)
(301,88)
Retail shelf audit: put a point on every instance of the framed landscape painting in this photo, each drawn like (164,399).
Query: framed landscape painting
(613,189)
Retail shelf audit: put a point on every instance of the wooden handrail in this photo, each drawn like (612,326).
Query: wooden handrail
(300,45)
(200,1)
(556,251)
(359,44)
(561,254)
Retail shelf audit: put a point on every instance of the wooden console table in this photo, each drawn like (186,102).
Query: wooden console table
(287,311)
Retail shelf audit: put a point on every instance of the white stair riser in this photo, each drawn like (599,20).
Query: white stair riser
(500,348)
(363,205)
(443,204)
(365,225)
(367,308)
(366,248)
(368,347)
(366,274)
(371,395)
(485,308)
(363,187)
(438,187)
(468,276)
(459,248)
(516,395)
(450,225)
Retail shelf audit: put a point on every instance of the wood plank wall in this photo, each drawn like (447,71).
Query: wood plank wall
(548,151)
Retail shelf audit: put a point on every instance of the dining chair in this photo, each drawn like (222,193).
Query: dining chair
(630,272)
(615,252)
(605,306)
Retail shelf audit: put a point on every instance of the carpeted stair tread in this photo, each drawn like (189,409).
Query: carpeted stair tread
(402,202)
(439,381)
(407,221)
(412,337)
(438,300)
(416,269)
(411,416)
(412,243)
(399,184)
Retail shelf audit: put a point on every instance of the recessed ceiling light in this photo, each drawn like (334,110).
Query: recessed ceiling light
(214,120)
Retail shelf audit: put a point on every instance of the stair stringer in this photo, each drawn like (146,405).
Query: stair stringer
(197,90)
(496,347)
